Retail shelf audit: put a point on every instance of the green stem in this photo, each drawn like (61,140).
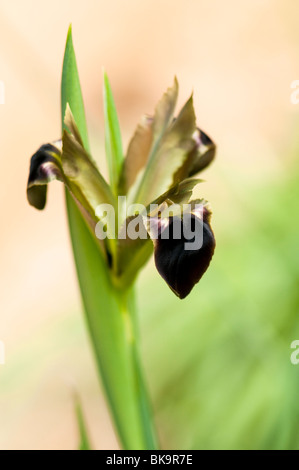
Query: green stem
(111,321)
(144,421)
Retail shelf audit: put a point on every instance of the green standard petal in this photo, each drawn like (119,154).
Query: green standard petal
(113,143)
(137,154)
(161,120)
(164,111)
(171,153)
(164,151)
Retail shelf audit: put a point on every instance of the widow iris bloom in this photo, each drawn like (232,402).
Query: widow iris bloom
(163,157)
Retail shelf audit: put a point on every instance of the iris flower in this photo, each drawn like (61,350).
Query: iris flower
(163,158)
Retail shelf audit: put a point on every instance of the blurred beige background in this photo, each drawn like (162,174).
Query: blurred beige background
(239,58)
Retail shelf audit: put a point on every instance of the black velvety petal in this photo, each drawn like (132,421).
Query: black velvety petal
(44,167)
(182,268)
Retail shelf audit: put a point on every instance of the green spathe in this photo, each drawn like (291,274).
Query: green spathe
(118,460)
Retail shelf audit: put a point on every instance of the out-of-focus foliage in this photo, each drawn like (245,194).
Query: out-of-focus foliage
(84,441)
(219,362)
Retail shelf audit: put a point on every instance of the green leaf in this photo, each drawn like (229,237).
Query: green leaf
(71,90)
(109,310)
(113,144)
(84,441)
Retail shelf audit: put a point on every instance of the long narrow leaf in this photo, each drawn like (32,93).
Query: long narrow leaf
(71,90)
(114,151)
(84,441)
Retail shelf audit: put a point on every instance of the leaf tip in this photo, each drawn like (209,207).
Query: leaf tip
(106,81)
(70,32)
(68,115)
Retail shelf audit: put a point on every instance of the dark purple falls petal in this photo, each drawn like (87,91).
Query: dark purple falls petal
(182,268)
